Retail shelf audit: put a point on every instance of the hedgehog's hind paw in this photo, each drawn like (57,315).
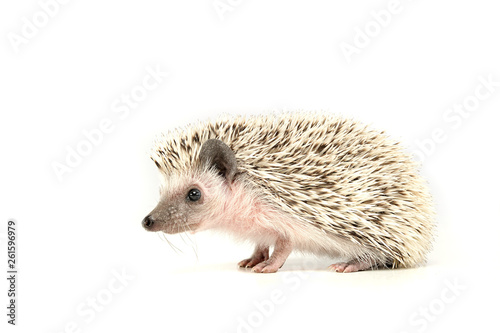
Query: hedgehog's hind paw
(350,267)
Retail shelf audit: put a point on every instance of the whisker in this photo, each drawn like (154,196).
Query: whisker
(193,244)
(175,248)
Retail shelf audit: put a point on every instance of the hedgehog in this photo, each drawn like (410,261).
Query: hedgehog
(299,181)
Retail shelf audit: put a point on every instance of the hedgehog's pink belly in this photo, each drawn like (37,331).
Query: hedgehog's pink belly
(266,226)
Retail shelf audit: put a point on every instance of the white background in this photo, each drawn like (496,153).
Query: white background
(77,233)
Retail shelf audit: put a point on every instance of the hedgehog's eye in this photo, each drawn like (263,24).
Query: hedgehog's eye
(194,194)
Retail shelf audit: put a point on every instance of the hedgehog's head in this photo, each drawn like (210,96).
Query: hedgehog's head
(196,198)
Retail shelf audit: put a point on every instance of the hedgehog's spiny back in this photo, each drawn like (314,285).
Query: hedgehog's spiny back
(252,138)
(330,172)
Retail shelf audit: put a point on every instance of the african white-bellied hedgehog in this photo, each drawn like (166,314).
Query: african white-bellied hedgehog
(296,181)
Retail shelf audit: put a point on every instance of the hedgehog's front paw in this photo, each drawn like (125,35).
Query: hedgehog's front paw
(349,267)
(266,267)
(251,262)
(282,249)
(261,254)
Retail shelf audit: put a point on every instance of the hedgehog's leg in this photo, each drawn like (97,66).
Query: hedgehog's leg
(260,254)
(351,266)
(282,250)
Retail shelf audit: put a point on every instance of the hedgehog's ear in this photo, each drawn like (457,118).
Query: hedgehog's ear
(216,153)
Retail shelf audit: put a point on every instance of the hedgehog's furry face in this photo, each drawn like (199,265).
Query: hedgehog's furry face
(188,203)
(195,199)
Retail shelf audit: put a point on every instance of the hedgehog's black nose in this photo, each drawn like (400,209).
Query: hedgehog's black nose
(148,222)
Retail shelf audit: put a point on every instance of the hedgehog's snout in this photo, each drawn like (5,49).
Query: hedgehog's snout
(169,216)
(148,222)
